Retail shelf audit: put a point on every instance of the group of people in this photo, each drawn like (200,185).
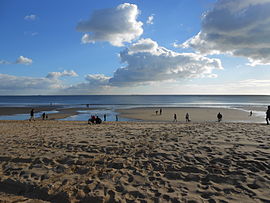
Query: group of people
(32,115)
(94,120)
(175,117)
(219,116)
(160,112)
(97,120)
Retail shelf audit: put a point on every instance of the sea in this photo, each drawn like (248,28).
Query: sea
(107,104)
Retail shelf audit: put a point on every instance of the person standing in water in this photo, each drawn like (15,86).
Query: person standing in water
(105,117)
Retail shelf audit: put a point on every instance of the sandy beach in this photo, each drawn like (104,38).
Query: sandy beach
(196,114)
(63,161)
(60,113)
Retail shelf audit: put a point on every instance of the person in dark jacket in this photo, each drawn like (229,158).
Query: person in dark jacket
(268,115)
(32,113)
(219,116)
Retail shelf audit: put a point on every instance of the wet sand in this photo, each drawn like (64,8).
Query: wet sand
(197,114)
(60,114)
(23,110)
(63,161)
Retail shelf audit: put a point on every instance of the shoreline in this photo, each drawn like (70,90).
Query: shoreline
(197,114)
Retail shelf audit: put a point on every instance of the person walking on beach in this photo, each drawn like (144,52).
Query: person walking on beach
(160,111)
(219,116)
(105,117)
(32,115)
(268,115)
(174,118)
(156,112)
(250,113)
(43,116)
(116,117)
(187,117)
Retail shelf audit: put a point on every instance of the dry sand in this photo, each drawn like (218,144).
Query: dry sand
(197,114)
(63,161)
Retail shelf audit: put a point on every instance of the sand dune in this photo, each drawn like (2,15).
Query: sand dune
(61,161)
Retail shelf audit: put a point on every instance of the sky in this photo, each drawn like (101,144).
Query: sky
(50,47)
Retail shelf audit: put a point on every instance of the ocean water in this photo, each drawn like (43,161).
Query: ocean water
(108,103)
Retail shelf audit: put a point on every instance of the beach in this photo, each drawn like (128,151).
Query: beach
(71,161)
(196,114)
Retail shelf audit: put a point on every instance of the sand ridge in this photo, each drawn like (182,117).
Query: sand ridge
(62,161)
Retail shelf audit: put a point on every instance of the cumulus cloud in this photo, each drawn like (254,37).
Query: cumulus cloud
(56,75)
(97,79)
(24,60)
(150,19)
(94,84)
(20,60)
(146,61)
(236,27)
(115,25)
(31,17)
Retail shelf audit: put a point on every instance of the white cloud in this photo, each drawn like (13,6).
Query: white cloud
(97,79)
(4,62)
(27,85)
(147,62)
(56,75)
(31,17)
(11,85)
(24,60)
(115,25)
(237,27)
(144,45)
(150,19)
(51,84)
(95,84)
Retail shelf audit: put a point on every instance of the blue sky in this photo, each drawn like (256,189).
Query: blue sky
(134,47)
